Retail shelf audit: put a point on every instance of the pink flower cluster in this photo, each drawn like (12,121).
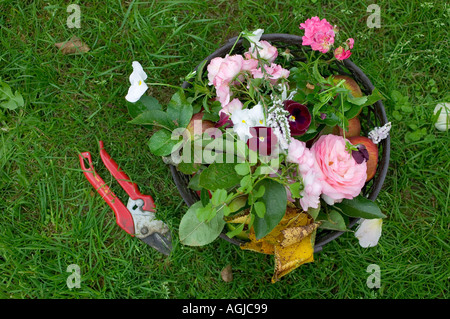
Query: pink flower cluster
(327,170)
(224,73)
(320,35)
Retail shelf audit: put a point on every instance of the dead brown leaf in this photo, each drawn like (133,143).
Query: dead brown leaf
(291,242)
(73,46)
(294,235)
(227,274)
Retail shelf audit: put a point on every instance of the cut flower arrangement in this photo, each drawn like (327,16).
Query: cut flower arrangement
(273,145)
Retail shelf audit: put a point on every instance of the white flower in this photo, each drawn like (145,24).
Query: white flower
(369,232)
(380,133)
(443,121)
(138,86)
(254,37)
(244,119)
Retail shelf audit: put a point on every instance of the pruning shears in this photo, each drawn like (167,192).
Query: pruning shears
(138,218)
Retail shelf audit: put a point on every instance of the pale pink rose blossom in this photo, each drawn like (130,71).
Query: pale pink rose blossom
(249,64)
(229,108)
(274,72)
(312,188)
(341,177)
(221,72)
(310,195)
(264,50)
(341,54)
(213,69)
(223,93)
(230,67)
(319,34)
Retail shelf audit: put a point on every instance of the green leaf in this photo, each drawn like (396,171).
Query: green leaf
(356,100)
(242,168)
(295,189)
(219,175)
(246,182)
(10,101)
(275,200)
(193,232)
(353,111)
(373,97)
(360,207)
(260,209)
(319,78)
(219,196)
(154,117)
(204,196)
(334,221)
(396,114)
(237,203)
(179,110)
(206,213)
(193,182)
(188,168)
(314,212)
(145,103)
(161,143)
(235,230)
(260,192)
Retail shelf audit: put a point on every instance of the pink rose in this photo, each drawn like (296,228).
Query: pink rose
(223,70)
(341,176)
(249,64)
(264,50)
(312,187)
(223,94)
(274,73)
(229,108)
(341,54)
(319,34)
(213,69)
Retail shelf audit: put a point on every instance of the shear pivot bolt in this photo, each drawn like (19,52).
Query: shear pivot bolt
(144,230)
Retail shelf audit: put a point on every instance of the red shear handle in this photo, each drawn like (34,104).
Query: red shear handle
(123,215)
(124,181)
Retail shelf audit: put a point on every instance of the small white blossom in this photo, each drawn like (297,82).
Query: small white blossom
(380,133)
(138,86)
(244,119)
(254,37)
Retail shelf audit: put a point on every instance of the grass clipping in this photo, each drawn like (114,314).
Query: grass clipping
(291,241)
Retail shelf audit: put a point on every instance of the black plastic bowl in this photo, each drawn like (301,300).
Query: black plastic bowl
(371,117)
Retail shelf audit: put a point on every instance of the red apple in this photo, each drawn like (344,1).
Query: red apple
(348,84)
(354,128)
(372,149)
(195,120)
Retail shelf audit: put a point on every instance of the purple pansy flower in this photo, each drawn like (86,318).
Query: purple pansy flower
(299,117)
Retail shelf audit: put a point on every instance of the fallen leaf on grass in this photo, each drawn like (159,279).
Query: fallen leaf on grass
(73,46)
(227,274)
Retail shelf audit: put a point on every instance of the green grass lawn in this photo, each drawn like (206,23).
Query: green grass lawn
(51,217)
